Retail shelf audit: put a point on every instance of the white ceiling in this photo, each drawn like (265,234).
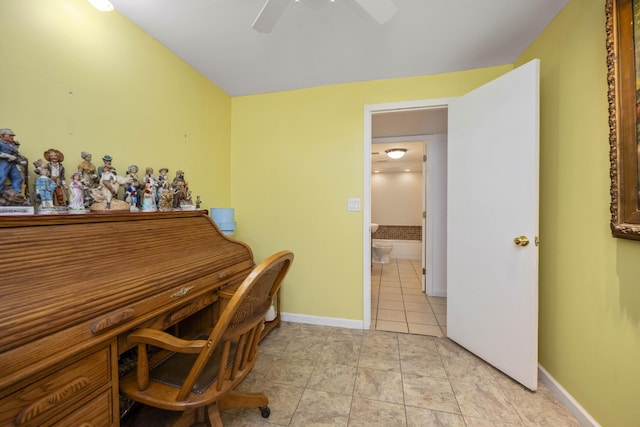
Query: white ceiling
(404,129)
(409,123)
(319,42)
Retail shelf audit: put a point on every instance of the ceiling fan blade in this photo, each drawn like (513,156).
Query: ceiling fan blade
(380,10)
(269,15)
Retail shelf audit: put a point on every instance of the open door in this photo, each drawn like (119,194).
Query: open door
(492,210)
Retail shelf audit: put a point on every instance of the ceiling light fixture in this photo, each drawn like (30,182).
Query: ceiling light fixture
(102,5)
(396,153)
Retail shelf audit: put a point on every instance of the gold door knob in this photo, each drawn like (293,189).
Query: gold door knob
(521,241)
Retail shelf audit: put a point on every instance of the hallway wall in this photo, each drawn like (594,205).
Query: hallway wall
(396,198)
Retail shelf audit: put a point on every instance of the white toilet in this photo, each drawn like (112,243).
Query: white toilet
(381,253)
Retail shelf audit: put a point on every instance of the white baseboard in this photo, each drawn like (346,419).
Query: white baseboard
(441,294)
(323,321)
(567,400)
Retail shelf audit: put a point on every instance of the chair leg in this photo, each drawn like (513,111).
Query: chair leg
(213,415)
(235,399)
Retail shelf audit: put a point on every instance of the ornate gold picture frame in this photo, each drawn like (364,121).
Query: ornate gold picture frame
(623,75)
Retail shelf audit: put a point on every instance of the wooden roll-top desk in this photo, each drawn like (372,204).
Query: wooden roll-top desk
(73,286)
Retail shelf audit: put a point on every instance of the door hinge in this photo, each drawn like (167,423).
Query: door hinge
(424,214)
(424,271)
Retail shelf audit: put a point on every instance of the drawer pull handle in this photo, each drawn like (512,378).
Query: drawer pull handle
(113,320)
(226,273)
(75,387)
(182,292)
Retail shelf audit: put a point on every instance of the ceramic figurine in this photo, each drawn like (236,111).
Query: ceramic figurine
(166,199)
(132,174)
(163,179)
(89,177)
(76,196)
(45,187)
(106,159)
(88,170)
(153,184)
(104,195)
(131,196)
(11,162)
(181,193)
(187,202)
(107,180)
(56,170)
(39,165)
(148,201)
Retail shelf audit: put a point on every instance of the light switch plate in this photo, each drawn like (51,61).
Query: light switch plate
(353,205)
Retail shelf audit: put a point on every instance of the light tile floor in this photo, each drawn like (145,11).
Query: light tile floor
(398,303)
(326,376)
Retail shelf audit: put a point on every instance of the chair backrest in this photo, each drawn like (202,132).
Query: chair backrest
(240,324)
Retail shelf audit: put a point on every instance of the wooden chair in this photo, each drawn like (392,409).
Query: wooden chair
(198,376)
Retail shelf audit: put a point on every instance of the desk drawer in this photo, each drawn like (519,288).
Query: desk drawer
(97,412)
(41,401)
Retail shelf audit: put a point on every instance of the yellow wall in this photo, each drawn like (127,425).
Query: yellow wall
(76,79)
(589,281)
(297,156)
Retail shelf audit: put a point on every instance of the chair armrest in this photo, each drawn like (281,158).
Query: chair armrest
(166,341)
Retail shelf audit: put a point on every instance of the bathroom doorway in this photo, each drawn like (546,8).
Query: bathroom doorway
(403,194)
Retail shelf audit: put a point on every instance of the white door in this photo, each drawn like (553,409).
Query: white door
(493,170)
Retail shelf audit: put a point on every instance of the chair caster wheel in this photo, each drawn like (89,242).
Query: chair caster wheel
(265,411)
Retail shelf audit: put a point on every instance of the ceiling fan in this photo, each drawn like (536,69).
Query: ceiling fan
(380,10)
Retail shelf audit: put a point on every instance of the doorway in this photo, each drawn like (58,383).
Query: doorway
(394,124)
(398,300)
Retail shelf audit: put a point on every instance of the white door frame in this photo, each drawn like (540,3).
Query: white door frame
(369,110)
(435,240)
(423,247)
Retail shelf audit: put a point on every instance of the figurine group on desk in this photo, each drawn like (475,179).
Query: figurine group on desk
(91,189)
